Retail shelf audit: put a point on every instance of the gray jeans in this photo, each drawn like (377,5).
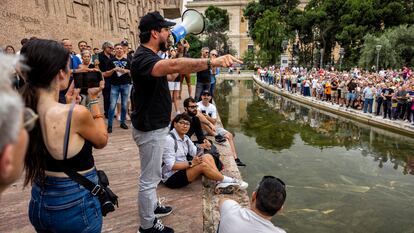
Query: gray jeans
(151,147)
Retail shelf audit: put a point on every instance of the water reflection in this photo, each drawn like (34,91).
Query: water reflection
(274,122)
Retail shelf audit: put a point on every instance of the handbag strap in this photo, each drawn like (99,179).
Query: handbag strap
(78,178)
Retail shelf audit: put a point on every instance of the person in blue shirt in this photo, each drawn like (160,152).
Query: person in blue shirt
(214,73)
(74,63)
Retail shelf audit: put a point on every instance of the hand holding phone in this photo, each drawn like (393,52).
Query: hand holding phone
(85,80)
(95,91)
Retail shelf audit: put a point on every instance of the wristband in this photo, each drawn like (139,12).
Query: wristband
(92,102)
(98,116)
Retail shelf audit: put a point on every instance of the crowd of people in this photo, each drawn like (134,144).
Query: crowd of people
(389,93)
(49,127)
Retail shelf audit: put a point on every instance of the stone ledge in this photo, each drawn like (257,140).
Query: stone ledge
(399,127)
(211,215)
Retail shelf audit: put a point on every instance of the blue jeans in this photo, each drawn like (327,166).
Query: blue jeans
(115,91)
(200,87)
(65,206)
(366,103)
(351,96)
(212,84)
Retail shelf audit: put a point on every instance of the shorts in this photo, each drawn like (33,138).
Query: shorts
(351,96)
(334,93)
(174,86)
(177,180)
(344,94)
(221,131)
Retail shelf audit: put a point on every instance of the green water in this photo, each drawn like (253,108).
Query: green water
(341,176)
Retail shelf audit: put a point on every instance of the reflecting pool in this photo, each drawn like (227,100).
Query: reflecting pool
(341,176)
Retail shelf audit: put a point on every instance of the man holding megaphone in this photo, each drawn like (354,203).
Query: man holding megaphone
(152,112)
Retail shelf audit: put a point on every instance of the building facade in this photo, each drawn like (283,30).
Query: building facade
(238,28)
(94,21)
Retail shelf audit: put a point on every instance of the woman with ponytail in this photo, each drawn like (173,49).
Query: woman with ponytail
(59,204)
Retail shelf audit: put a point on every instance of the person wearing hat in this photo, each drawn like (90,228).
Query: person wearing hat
(152,110)
(125,47)
(266,201)
(209,117)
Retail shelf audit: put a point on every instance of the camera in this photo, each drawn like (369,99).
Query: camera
(85,80)
(107,198)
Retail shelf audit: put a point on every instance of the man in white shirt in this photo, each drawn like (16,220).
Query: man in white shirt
(183,164)
(209,111)
(266,201)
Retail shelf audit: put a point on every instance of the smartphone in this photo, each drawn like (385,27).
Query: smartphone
(85,80)
(200,152)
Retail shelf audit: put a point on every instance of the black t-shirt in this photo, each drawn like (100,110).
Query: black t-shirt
(123,78)
(104,62)
(388,91)
(152,98)
(351,87)
(334,86)
(203,76)
(195,127)
(104,66)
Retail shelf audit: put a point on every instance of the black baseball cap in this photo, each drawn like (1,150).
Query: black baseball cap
(153,20)
(205,92)
(124,43)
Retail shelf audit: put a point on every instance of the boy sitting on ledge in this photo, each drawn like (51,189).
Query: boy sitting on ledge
(183,165)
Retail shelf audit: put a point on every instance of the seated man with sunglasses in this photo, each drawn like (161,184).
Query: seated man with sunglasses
(15,122)
(183,165)
(209,120)
(266,201)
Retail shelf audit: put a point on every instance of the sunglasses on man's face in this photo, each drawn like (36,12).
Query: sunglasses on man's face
(30,118)
(192,106)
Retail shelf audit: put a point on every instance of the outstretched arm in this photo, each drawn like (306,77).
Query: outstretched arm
(190,65)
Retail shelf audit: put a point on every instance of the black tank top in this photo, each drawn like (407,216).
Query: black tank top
(80,162)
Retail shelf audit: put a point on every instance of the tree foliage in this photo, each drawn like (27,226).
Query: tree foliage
(270,40)
(323,24)
(217,23)
(249,59)
(397,48)
(195,45)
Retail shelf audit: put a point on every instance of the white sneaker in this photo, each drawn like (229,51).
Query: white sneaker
(230,187)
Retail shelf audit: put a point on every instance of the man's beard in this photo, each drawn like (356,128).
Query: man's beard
(163,46)
(191,113)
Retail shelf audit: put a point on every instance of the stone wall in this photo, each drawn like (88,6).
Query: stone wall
(94,21)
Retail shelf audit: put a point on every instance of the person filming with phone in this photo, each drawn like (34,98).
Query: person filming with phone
(58,203)
(184,162)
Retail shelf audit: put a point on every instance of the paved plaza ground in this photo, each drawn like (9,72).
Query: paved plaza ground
(120,160)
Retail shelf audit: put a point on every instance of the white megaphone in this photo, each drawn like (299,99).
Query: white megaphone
(192,22)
